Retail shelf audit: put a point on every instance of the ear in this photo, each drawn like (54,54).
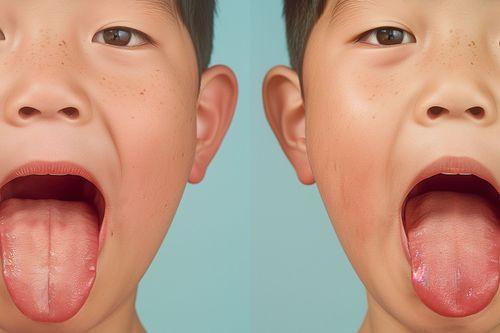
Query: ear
(216,103)
(285,113)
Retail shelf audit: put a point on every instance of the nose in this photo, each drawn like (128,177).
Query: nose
(43,98)
(455,98)
(458,100)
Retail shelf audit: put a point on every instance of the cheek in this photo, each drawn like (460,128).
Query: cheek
(352,120)
(153,126)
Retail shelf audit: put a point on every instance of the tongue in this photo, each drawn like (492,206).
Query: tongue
(49,255)
(453,240)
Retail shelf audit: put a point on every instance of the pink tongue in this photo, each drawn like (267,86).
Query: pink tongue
(49,255)
(453,240)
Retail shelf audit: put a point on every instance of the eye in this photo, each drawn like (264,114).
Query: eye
(387,36)
(122,36)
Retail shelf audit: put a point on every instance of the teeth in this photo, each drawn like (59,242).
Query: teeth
(457,173)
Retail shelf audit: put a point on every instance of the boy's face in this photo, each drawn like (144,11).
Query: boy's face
(372,118)
(143,124)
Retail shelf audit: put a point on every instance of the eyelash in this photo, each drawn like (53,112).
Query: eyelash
(134,34)
(406,35)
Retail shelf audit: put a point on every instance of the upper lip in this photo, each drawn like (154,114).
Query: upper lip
(51,168)
(454,165)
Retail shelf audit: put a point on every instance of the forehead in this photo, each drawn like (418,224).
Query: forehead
(159,5)
(346,10)
(339,6)
(342,5)
(168,7)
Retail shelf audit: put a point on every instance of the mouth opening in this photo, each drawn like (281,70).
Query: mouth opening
(453,183)
(58,187)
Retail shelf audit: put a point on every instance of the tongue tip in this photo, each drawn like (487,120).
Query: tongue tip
(458,304)
(457,311)
(48,317)
(53,312)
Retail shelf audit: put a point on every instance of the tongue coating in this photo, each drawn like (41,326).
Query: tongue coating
(49,255)
(453,240)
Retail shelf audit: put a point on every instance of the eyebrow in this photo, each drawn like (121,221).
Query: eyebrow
(343,5)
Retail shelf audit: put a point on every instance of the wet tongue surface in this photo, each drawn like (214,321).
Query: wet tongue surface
(49,254)
(453,240)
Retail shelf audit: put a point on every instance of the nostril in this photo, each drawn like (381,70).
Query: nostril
(436,111)
(476,111)
(27,111)
(71,112)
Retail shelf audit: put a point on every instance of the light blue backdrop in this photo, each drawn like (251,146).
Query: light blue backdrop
(200,279)
(251,249)
(301,279)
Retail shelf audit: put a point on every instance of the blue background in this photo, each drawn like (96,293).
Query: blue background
(251,249)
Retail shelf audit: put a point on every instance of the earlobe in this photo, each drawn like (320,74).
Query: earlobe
(284,107)
(216,103)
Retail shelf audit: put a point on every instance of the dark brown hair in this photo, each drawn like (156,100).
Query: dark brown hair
(300,17)
(198,17)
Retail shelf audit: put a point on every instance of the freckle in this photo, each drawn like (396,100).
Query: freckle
(132,117)
(471,63)
(451,31)
(112,233)
(396,93)
(62,62)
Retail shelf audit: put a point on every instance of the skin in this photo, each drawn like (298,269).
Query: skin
(360,129)
(146,125)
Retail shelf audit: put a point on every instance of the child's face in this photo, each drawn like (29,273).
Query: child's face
(366,128)
(145,125)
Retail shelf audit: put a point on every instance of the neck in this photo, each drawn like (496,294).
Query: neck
(377,320)
(123,320)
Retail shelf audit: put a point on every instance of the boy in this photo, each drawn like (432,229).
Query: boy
(391,107)
(108,109)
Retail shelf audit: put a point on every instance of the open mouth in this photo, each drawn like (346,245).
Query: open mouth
(57,187)
(453,183)
(49,236)
(451,224)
